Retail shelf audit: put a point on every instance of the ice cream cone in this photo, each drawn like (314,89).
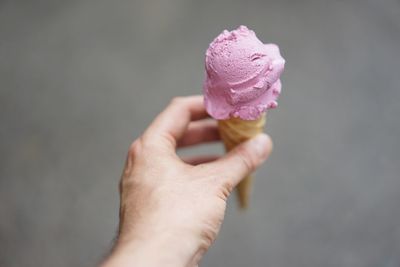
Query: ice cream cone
(234,131)
(242,82)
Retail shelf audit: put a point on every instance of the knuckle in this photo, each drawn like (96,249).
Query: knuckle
(134,149)
(209,234)
(208,238)
(226,189)
(133,154)
(228,185)
(221,183)
(177,100)
(247,158)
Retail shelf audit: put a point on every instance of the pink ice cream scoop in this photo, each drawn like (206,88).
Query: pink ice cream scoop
(242,75)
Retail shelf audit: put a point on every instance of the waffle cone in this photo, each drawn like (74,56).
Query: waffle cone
(233,132)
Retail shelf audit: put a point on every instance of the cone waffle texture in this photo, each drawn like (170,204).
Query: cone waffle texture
(233,132)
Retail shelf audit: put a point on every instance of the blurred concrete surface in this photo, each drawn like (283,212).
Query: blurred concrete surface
(79,80)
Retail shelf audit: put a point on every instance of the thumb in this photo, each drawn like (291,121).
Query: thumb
(243,159)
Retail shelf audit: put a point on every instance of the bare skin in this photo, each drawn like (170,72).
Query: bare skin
(171,209)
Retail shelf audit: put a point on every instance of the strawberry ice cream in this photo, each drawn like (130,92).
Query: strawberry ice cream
(242,75)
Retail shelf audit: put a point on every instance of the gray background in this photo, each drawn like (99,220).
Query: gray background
(79,80)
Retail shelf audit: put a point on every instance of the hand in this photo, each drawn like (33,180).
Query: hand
(171,210)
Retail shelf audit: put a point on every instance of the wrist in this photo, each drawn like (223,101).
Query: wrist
(168,248)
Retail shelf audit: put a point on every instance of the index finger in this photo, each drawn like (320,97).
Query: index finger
(174,120)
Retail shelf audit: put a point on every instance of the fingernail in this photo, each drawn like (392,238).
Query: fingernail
(260,144)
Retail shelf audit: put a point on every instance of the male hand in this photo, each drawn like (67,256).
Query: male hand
(171,209)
